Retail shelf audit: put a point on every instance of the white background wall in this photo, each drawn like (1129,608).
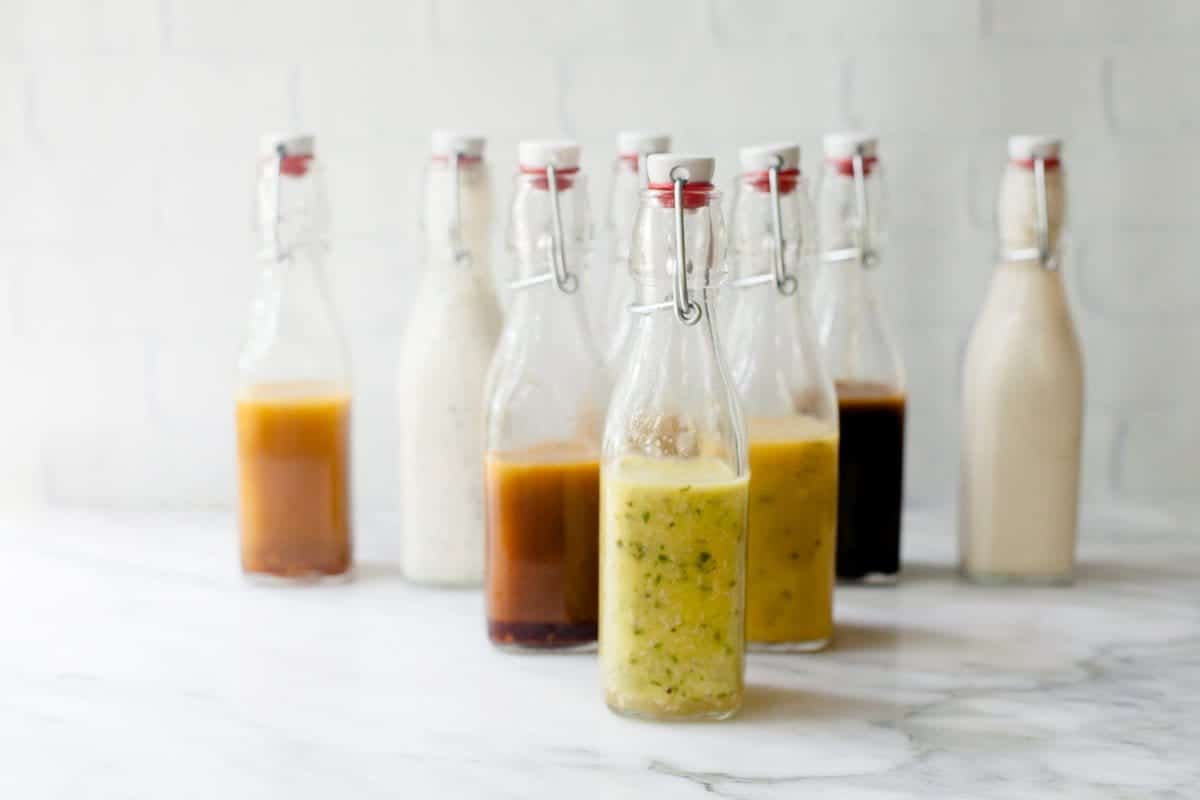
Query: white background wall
(128,130)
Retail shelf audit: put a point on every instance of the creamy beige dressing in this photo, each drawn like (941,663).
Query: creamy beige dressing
(1023,408)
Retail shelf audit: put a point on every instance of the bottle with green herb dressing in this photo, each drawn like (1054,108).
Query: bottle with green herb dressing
(674,472)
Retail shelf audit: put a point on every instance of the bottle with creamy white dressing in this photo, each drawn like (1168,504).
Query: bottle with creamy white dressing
(628,181)
(789,402)
(444,359)
(1023,390)
(674,475)
(863,358)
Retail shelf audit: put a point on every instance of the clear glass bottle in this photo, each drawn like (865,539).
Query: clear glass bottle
(293,395)
(624,196)
(674,479)
(546,396)
(862,356)
(448,345)
(1023,390)
(789,402)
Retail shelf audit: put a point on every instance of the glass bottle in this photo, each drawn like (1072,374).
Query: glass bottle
(1023,390)
(789,402)
(546,396)
(448,345)
(624,196)
(293,387)
(674,478)
(863,359)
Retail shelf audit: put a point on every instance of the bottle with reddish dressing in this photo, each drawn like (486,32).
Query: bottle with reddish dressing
(863,359)
(544,413)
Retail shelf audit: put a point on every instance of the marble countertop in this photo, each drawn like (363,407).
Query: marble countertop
(135,662)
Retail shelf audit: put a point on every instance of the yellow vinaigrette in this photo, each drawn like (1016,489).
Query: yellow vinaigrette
(673,538)
(793,529)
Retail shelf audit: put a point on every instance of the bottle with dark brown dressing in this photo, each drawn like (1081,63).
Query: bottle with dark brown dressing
(865,363)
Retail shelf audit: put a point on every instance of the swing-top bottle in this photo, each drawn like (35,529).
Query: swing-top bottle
(789,403)
(546,395)
(293,396)
(448,345)
(863,359)
(674,474)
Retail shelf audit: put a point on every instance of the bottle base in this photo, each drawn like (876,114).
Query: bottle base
(871,579)
(441,582)
(1009,579)
(299,578)
(543,637)
(809,646)
(692,713)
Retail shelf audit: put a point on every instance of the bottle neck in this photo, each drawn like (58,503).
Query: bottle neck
(655,256)
(549,231)
(767,222)
(457,210)
(291,209)
(1032,213)
(850,212)
(627,185)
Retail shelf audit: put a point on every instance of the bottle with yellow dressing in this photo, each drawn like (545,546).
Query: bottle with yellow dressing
(790,405)
(674,472)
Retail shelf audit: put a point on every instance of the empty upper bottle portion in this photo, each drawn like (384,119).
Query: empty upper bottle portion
(850,198)
(628,180)
(771,212)
(541,211)
(291,210)
(654,257)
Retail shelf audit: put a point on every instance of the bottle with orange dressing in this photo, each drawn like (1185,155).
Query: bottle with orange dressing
(544,410)
(293,395)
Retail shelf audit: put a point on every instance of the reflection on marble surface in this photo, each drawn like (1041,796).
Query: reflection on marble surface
(137,663)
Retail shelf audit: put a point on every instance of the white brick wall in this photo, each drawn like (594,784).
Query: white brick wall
(128,130)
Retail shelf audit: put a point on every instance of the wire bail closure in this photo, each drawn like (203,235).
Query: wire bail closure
(457,245)
(276,246)
(784,283)
(1042,253)
(565,280)
(686,309)
(865,256)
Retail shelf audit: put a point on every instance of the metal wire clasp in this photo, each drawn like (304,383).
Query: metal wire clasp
(785,283)
(867,257)
(563,278)
(457,245)
(859,252)
(275,242)
(686,309)
(1042,253)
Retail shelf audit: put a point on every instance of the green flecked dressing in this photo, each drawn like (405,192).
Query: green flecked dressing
(673,539)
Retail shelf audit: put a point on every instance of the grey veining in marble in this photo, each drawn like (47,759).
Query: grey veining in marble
(137,663)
